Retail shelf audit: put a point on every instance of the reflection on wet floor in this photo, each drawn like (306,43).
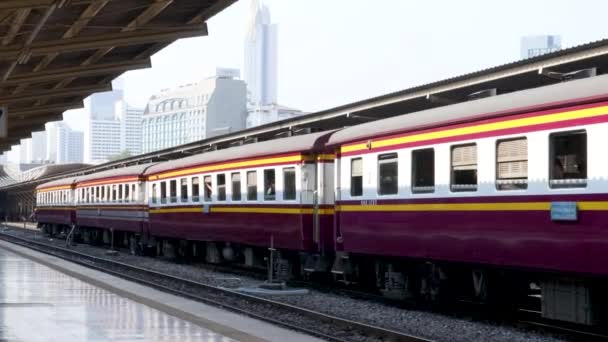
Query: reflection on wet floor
(40,304)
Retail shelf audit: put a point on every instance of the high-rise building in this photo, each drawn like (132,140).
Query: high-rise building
(261,57)
(113,126)
(214,106)
(38,147)
(532,46)
(64,145)
(130,128)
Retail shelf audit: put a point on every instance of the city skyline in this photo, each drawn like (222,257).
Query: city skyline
(329,59)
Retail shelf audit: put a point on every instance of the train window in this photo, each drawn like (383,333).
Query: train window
(120,198)
(208,189)
(163,192)
(133,192)
(195,190)
(114,193)
(127,193)
(568,159)
(423,171)
(252,185)
(184,189)
(464,167)
(289,183)
(173,190)
(154,193)
(221,187)
(387,174)
(236,186)
(512,164)
(269,185)
(356,177)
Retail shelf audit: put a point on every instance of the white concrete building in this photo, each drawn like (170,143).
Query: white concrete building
(261,57)
(64,145)
(532,46)
(211,107)
(266,114)
(112,127)
(130,127)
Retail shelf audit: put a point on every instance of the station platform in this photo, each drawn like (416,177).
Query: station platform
(44,298)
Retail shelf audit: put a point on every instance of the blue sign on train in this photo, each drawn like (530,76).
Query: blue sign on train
(564,211)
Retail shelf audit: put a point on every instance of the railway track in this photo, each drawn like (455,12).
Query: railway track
(310,322)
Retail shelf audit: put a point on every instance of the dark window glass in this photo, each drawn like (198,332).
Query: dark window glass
(195,190)
(127,193)
(356,177)
(388,165)
(464,167)
(568,159)
(269,185)
(184,189)
(423,170)
(236,186)
(173,191)
(221,187)
(289,183)
(252,186)
(120,192)
(163,192)
(512,164)
(154,193)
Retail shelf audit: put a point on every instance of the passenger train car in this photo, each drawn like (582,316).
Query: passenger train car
(489,199)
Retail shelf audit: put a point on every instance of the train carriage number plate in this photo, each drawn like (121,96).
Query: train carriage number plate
(564,211)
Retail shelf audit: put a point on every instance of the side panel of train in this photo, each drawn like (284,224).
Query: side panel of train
(55,206)
(112,205)
(259,206)
(483,200)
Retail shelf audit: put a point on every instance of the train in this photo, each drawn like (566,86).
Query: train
(493,199)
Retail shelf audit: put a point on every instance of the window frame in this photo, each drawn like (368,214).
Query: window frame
(239,191)
(254,194)
(221,188)
(270,190)
(183,195)
(569,183)
(196,195)
(501,182)
(463,187)
(295,188)
(422,189)
(351,177)
(379,162)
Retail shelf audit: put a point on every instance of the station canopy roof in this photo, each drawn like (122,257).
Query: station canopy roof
(55,53)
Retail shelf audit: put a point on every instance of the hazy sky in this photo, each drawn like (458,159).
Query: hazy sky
(339,51)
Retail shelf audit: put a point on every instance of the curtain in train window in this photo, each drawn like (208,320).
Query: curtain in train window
(221,187)
(464,167)
(195,189)
(512,164)
(269,185)
(568,159)
(356,177)
(173,191)
(252,186)
(289,183)
(236,186)
(423,170)
(154,193)
(388,166)
(208,188)
(184,189)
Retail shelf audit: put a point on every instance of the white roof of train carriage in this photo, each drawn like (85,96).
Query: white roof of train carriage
(135,170)
(313,142)
(530,99)
(59,182)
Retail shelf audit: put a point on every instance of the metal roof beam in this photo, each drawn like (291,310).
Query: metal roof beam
(64,92)
(77,71)
(26,124)
(20,4)
(23,114)
(82,43)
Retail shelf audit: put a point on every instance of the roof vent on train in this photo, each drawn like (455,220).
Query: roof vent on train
(569,76)
(482,94)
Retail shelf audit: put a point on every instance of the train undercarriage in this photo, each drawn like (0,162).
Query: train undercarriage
(567,298)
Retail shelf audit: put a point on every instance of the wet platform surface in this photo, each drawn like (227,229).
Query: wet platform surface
(38,303)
